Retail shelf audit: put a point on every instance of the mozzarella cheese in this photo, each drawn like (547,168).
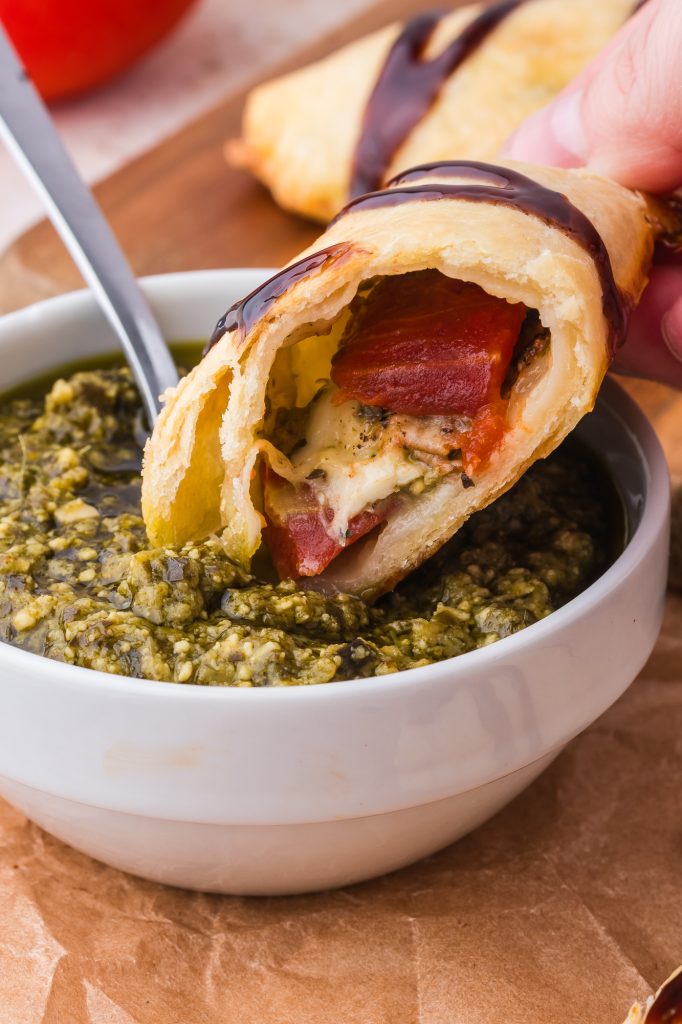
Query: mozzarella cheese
(356,461)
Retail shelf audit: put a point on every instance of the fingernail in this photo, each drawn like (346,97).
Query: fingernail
(566,125)
(671,330)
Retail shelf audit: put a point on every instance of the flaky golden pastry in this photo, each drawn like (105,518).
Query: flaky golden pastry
(301,131)
(201,468)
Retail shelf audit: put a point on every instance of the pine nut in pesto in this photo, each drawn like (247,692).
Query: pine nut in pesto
(79,583)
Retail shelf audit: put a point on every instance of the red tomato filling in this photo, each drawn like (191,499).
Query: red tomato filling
(421,344)
(427,345)
(296,534)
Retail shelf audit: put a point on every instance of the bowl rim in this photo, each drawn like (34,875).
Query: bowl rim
(654,519)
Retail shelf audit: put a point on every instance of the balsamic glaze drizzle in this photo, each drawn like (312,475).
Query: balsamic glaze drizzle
(243,314)
(486,183)
(407,87)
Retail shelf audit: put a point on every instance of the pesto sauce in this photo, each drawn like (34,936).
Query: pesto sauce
(79,583)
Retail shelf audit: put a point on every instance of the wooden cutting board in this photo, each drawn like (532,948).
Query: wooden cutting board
(181,207)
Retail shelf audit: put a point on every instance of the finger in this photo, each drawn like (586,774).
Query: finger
(538,140)
(623,116)
(671,326)
(654,344)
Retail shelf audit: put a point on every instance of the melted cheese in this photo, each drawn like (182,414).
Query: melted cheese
(351,460)
(360,462)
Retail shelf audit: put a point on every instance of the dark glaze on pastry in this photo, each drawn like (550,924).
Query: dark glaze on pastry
(244,314)
(487,183)
(407,87)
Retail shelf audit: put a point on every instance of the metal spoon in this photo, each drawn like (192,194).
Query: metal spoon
(31,137)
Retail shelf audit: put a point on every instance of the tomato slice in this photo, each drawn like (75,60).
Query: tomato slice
(296,533)
(480,440)
(427,345)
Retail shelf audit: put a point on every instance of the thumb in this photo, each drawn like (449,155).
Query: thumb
(654,344)
(623,116)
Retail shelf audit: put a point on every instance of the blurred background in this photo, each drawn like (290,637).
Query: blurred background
(123,74)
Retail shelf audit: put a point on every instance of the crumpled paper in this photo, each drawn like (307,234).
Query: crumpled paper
(564,908)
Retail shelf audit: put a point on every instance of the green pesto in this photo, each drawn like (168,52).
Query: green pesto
(79,583)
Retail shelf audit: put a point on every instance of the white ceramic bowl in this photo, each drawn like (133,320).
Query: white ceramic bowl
(296,789)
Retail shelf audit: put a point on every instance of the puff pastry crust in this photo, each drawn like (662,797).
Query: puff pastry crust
(201,463)
(300,131)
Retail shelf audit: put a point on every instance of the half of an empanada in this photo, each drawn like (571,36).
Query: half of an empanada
(440,337)
(434,88)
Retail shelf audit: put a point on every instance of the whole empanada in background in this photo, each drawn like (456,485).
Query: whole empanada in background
(301,132)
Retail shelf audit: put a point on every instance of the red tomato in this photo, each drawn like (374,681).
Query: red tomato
(482,438)
(427,345)
(296,537)
(68,46)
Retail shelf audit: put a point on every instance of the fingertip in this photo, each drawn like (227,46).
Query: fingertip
(653,349)
(622,116)
(649,359)
(671,329)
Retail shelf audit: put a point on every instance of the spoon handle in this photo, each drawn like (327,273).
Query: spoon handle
(29,132)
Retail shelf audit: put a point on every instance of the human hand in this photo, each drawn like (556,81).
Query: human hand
(622,117)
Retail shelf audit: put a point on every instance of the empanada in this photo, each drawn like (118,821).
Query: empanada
(438,88)
(440,337)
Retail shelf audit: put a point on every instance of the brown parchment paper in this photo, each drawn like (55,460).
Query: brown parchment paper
(564,908)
